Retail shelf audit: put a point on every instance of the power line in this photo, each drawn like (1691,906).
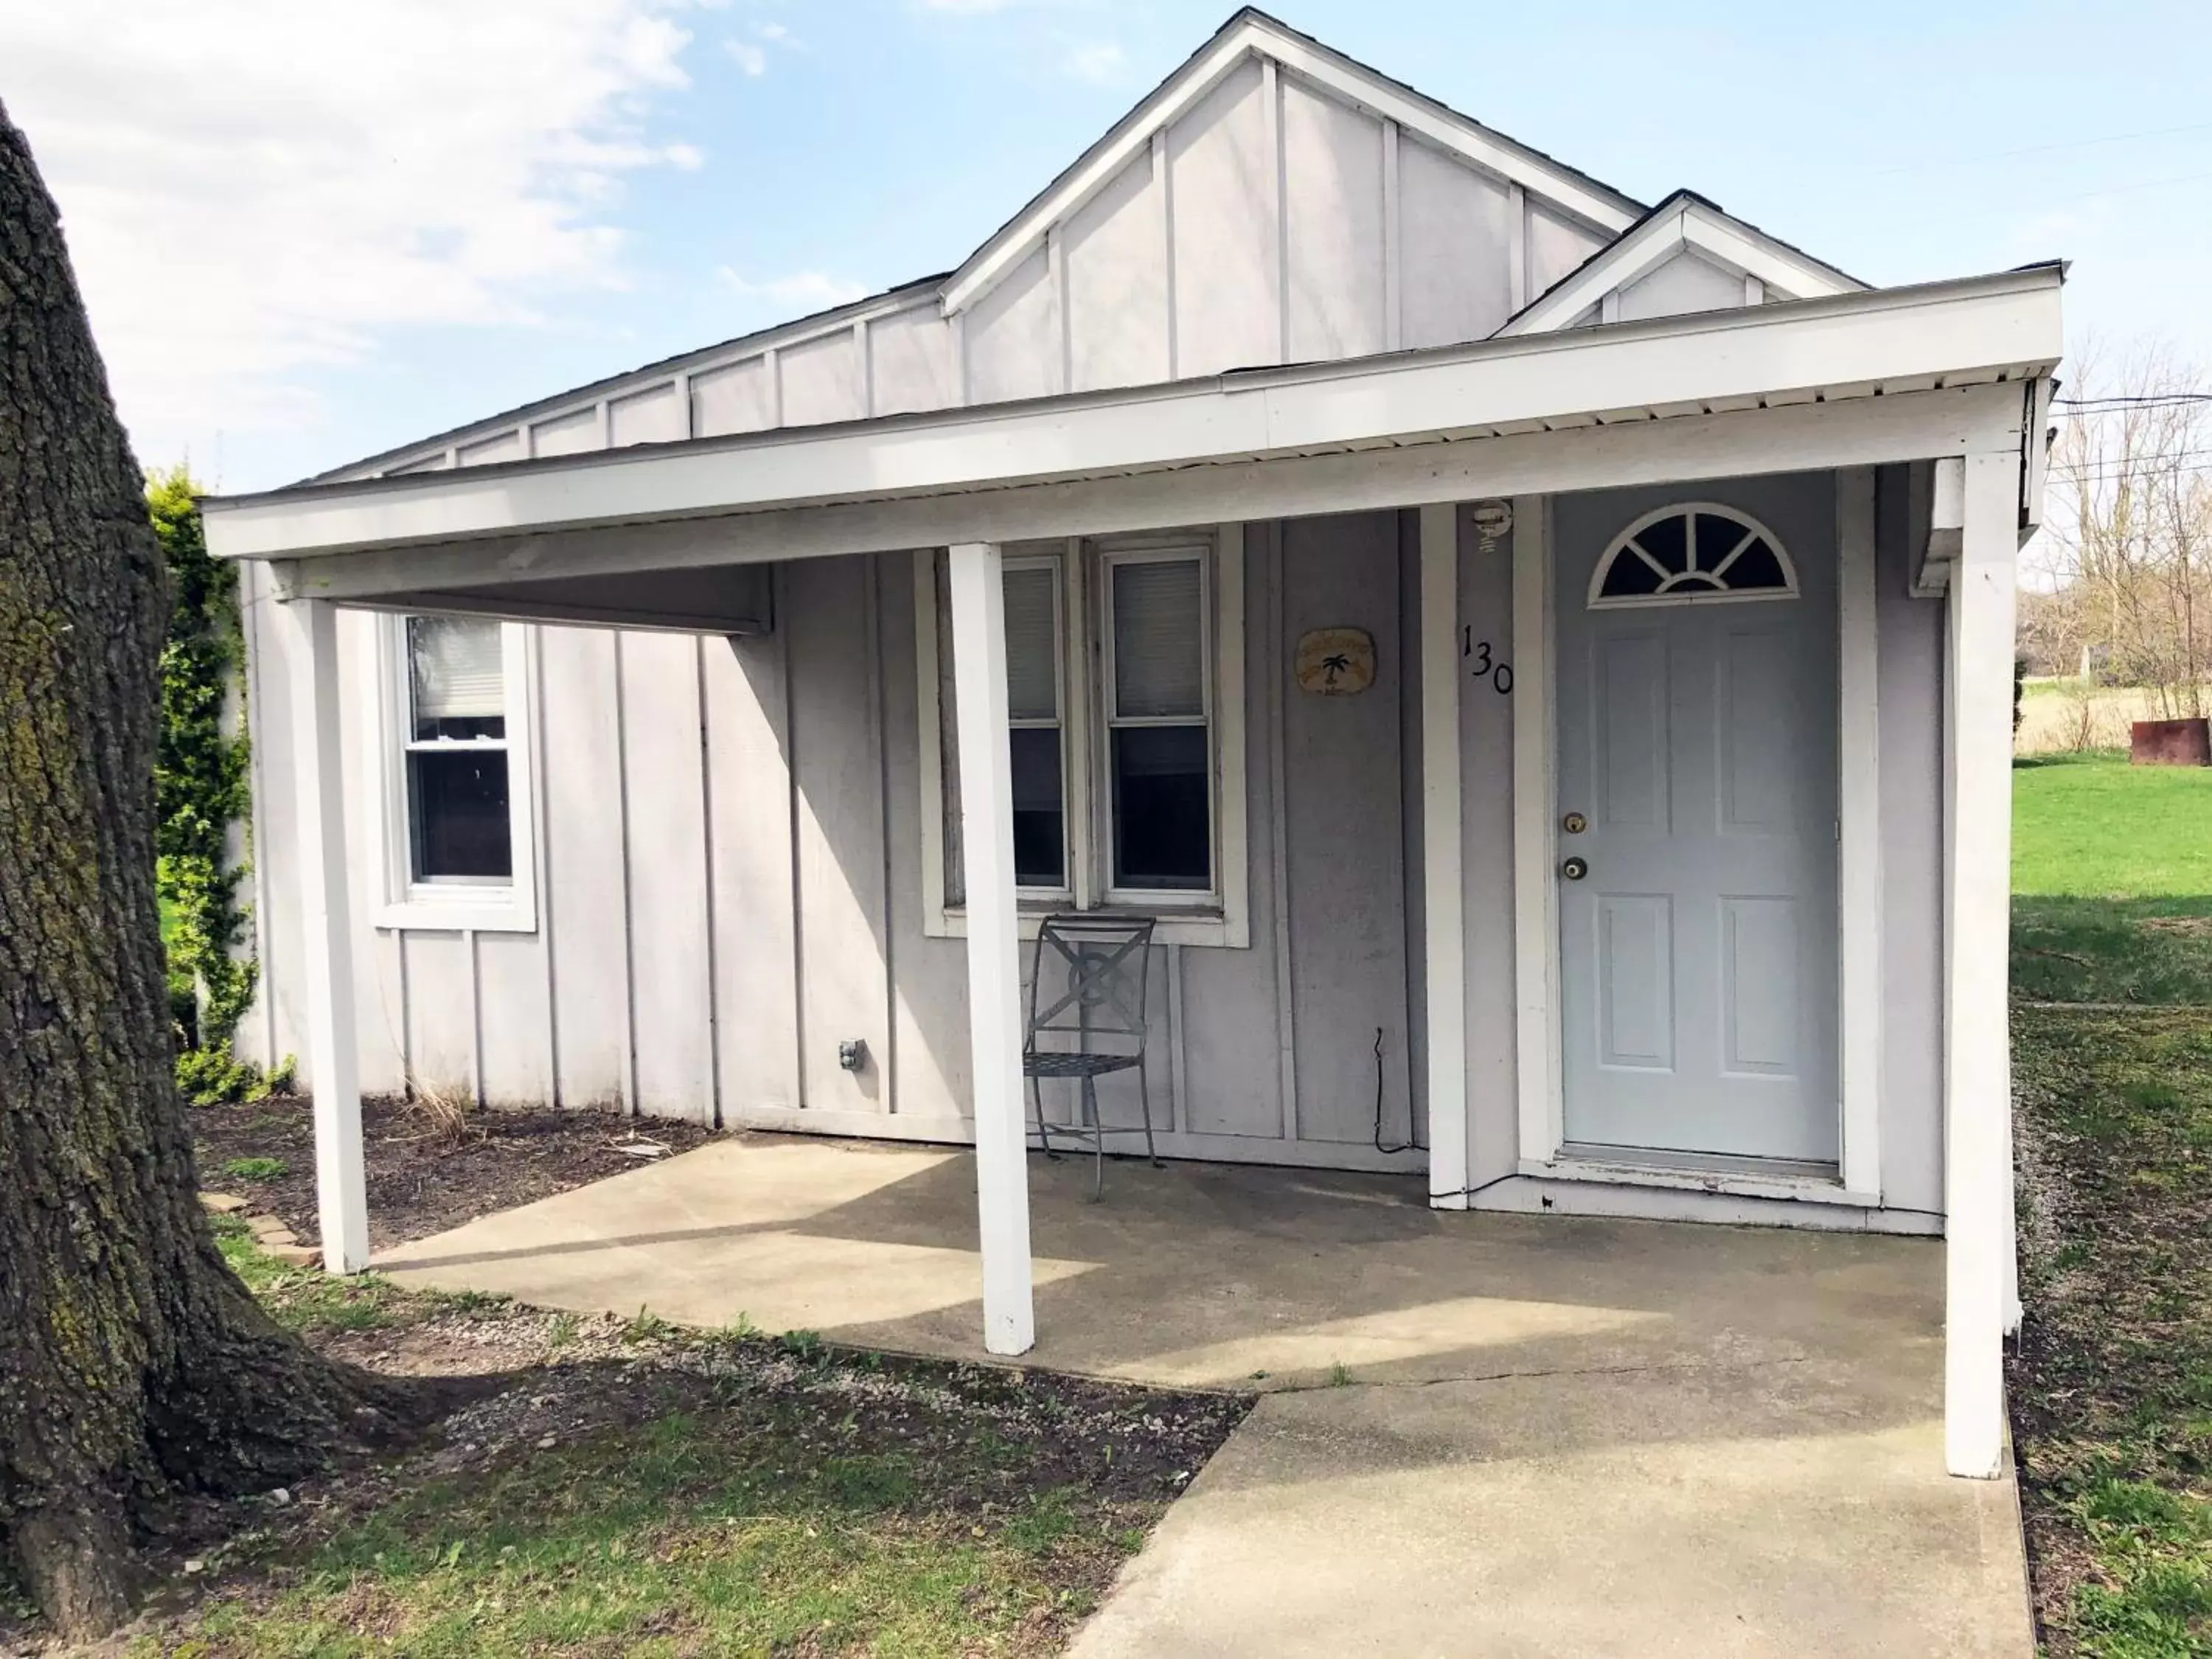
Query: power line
(2125,463)
(2044,149)
(2147,400)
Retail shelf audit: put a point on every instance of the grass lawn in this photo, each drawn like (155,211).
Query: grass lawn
(2111,1384)
(2111,881)
(611,1487)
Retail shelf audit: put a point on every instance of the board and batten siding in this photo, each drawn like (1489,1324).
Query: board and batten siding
(730,872)
(730,881)
(1271,222)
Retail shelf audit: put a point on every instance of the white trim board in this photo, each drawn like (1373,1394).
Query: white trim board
(1540,1113)
(1895,342)
(1800,438)
(1524,1195)
(1684,223)
(1444,883)
(1858,831)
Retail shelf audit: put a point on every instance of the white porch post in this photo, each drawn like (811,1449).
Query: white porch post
(1444,931)
(994,966)
(333,1061)
(1978,1061)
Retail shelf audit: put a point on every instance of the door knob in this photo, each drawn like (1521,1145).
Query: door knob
(1575,869)
(1574,823)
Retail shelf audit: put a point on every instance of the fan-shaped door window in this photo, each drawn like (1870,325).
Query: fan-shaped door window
(1695,554)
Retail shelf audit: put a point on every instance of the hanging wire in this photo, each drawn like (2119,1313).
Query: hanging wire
(1413,1141)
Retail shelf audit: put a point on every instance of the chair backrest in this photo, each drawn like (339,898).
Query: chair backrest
(1087,984)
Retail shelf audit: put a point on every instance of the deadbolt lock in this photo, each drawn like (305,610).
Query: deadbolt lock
(1574,823)
(1575,869)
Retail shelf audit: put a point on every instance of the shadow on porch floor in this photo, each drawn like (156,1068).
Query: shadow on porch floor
(1561,1435)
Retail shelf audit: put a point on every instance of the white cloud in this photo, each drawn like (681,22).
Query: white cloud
(1100,62)
(800,293)
(750,57)
(264,190)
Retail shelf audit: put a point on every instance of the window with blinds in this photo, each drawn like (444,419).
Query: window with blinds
(1159,772)
(456,750)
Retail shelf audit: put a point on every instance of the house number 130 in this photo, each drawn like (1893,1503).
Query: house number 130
(1486,666)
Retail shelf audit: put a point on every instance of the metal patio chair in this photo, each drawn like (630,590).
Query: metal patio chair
(1092,1027)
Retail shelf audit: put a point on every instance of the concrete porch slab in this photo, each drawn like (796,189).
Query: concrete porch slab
(1485,1434)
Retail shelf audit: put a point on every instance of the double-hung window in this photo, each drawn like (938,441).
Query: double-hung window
(458,826)
(1159,748)
(1124,701)
(453,725)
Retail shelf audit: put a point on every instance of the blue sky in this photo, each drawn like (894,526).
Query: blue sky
(341,226)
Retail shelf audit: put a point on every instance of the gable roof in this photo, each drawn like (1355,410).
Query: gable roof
(1252,32)
(1685,222)
(655,402)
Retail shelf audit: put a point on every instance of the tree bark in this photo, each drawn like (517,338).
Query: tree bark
(133,1363)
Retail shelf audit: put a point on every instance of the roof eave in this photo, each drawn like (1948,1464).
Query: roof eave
(2002,325)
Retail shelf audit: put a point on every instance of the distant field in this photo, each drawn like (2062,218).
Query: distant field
(2057,716)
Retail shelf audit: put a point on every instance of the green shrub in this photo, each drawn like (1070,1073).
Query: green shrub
(202,786)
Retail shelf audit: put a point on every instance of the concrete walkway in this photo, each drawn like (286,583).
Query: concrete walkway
(1482,1435)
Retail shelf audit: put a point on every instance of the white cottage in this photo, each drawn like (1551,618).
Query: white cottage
(1542,660)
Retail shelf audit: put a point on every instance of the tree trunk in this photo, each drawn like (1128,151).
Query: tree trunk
(132,1362)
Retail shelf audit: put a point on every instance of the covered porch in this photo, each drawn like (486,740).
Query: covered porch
(1549,1434)
(1945,378)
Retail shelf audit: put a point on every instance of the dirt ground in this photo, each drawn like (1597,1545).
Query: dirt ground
(422,1181)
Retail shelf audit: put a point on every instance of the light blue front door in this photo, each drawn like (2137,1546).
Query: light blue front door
(1697,793)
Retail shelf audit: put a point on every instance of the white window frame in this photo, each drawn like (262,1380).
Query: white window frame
(1597,600)
(1220,917)
(1108,692)
(480,906)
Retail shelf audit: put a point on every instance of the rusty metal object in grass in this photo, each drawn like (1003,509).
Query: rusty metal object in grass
(2170,743)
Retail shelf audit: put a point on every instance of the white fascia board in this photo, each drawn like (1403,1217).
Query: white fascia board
(1602,210)
(2007,326)
(723,354)
(1747,253)
(1688,223)
(1800,436)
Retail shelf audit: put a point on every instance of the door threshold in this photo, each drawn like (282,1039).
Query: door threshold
(1710,1172)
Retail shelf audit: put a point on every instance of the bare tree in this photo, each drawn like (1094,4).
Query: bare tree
(133,1363)
(2133,526)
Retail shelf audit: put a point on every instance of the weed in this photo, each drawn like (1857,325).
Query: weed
(1050,1518)
(445,1110)
(647,1327)
(561,1331)
(256,1168)
(802,1345)
(1340,1375)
